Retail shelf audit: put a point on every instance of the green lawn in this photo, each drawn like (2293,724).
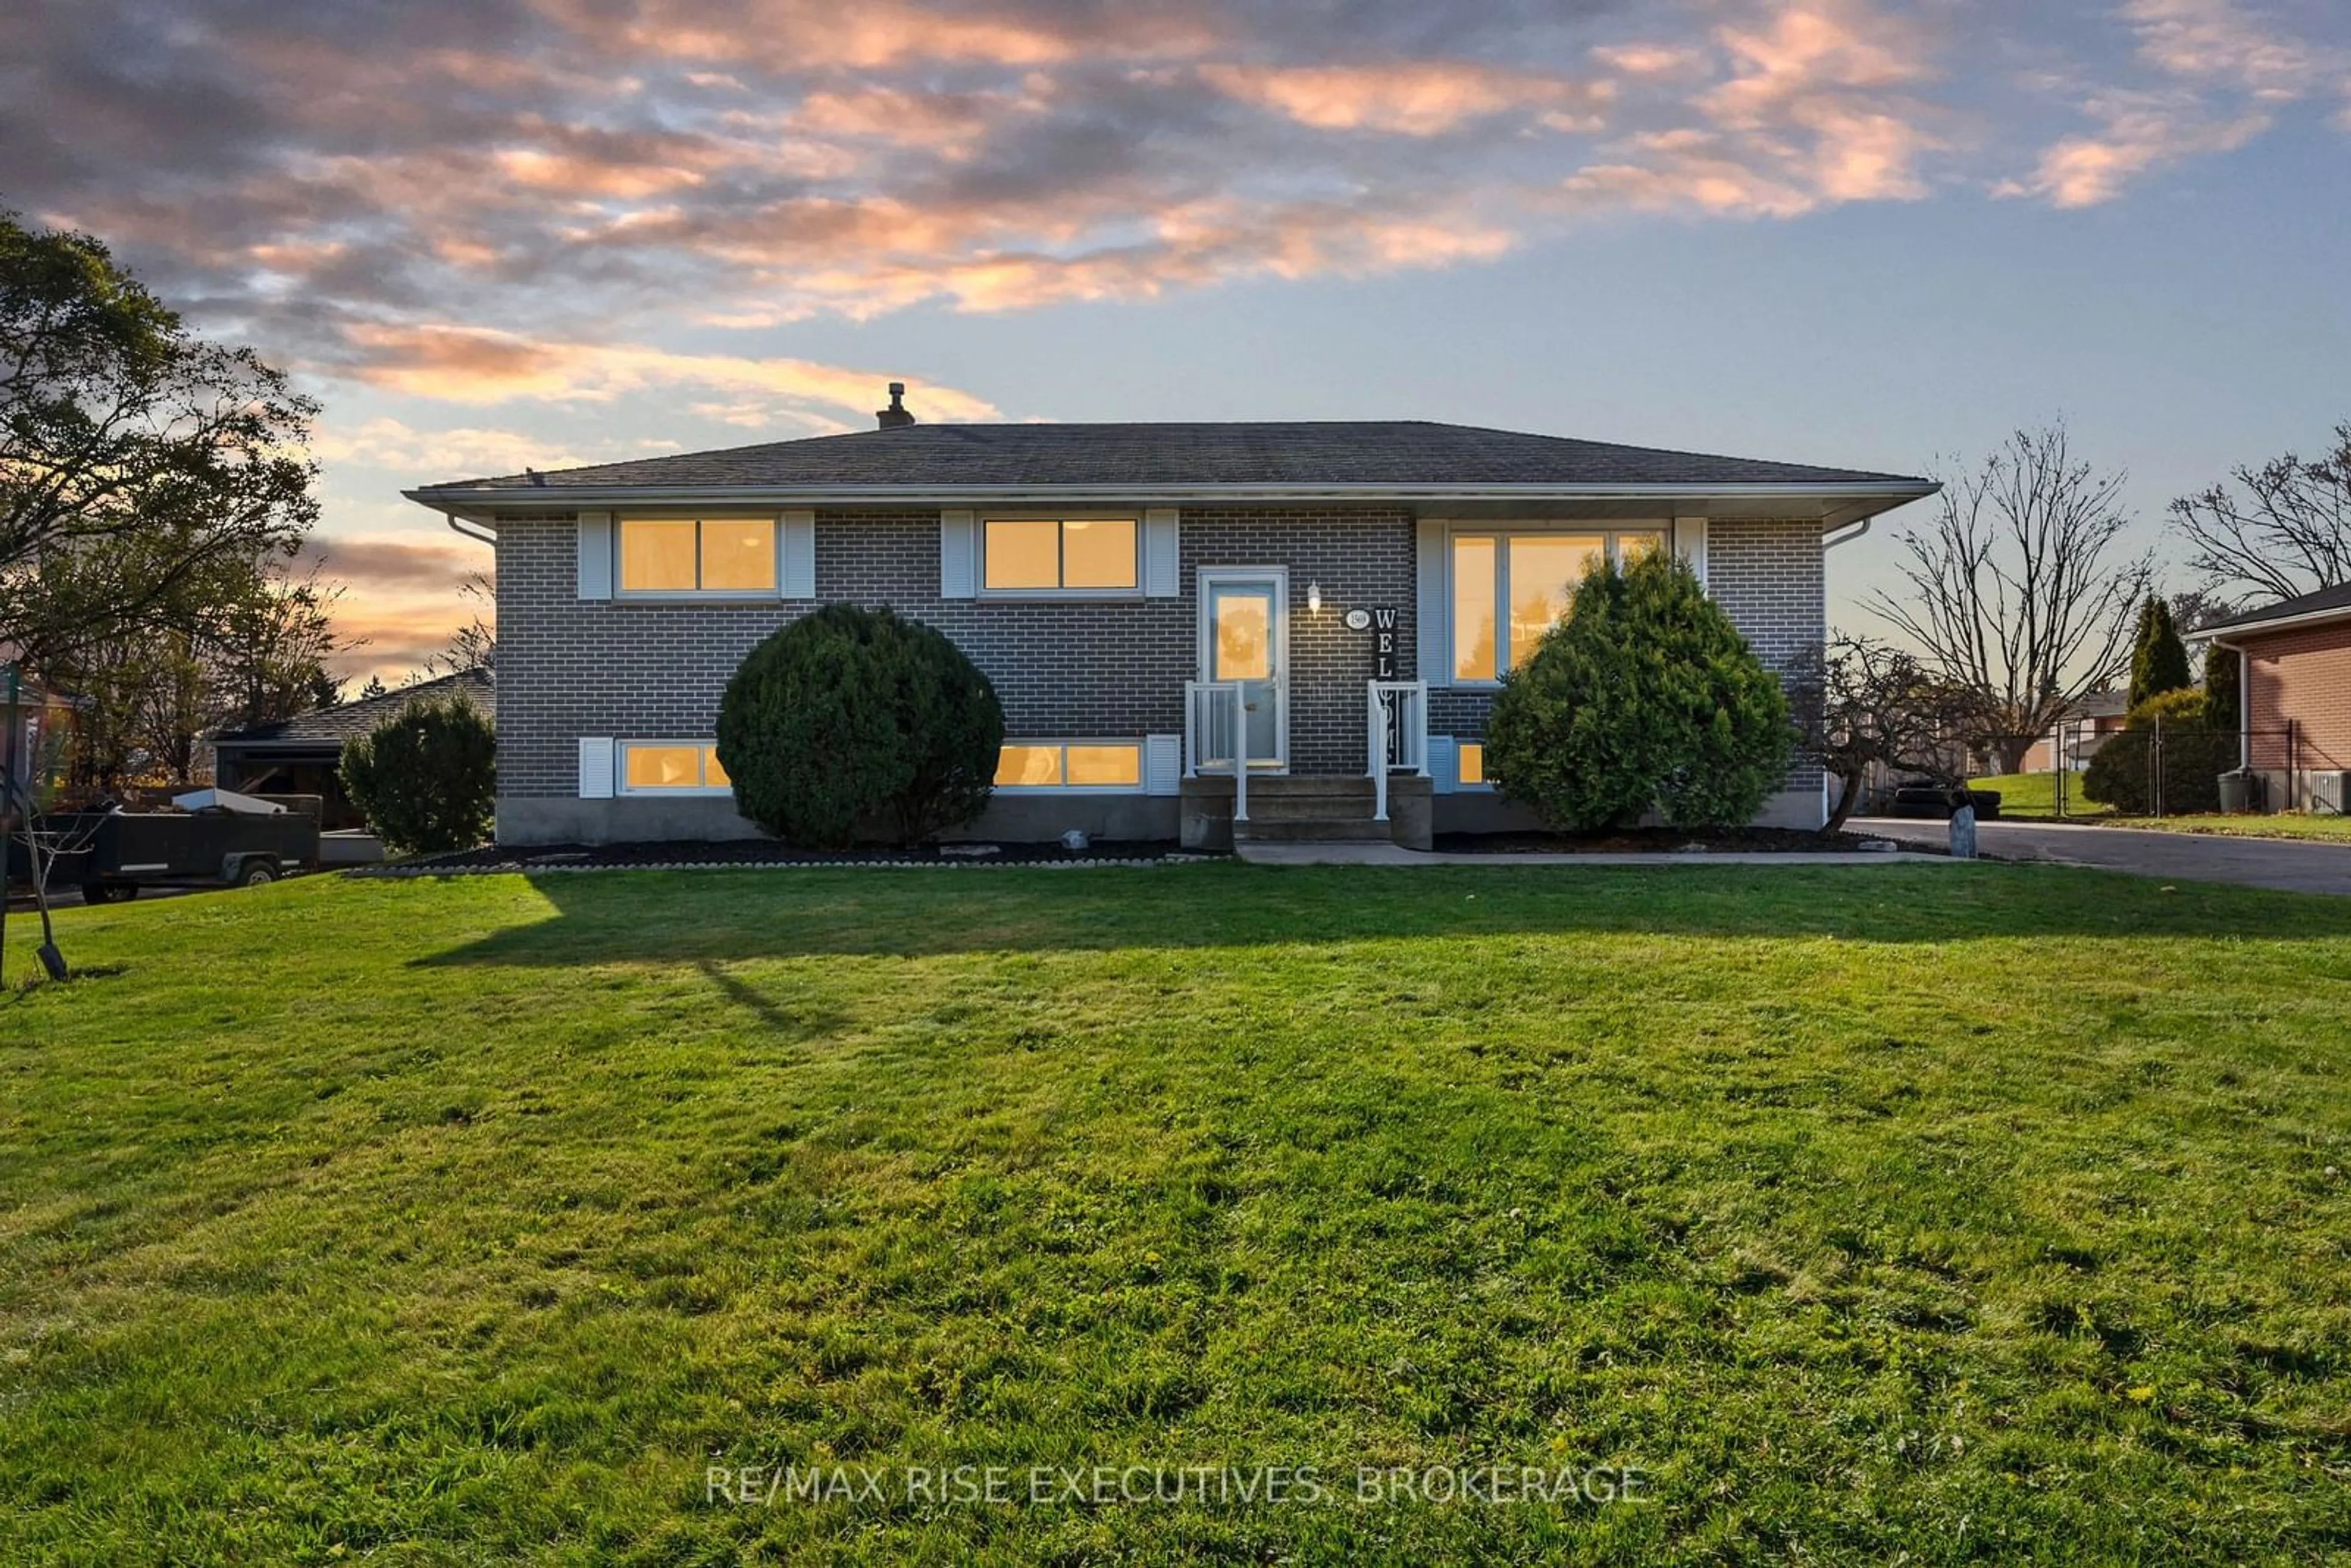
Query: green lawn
(2283,825)
(1935,1213)
(2035,795)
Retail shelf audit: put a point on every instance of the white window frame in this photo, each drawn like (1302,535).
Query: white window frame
(1064,743)
(621,785)
(769,595)
(1135,520)
(1501,532)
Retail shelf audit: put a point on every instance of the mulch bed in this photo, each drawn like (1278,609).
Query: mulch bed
(1662,841)
(755,852)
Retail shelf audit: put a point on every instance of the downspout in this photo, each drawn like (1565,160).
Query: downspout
(1828,543)
(471,529)
(1859,529)
(2245,705)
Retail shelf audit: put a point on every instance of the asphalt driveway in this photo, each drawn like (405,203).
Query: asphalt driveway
(2290,865)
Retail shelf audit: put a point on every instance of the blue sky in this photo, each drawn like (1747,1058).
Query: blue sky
(1876,233)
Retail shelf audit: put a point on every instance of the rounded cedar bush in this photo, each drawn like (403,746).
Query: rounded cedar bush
(426,777)
(2196,749)
(1643,698)
(853,721)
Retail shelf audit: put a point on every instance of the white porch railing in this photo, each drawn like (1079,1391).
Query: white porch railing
(1216,735)
(1396,735)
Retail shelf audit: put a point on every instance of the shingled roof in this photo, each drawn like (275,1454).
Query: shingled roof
(330,727)
(2322,603)
(1407,454)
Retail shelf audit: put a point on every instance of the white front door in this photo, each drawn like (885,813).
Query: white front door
(1245,639)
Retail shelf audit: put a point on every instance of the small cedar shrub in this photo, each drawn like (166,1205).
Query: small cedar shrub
(854,721)
(1643,698)
(2196,751)
(427,778)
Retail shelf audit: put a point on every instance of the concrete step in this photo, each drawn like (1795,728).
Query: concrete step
(1298,798)
(1307,808)
(1298,808)
(1320,831)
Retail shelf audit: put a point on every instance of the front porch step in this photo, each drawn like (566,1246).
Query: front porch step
(1298,808)
(1311,829)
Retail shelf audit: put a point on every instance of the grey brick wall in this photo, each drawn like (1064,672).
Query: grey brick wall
(568,667)
(1771,581)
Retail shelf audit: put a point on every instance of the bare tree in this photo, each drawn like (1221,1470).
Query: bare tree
(2019,592)
(1869,708)
(243,643)
(2197,608)
(473,646)
(2282,529)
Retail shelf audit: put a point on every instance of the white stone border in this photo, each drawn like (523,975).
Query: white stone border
(518,869)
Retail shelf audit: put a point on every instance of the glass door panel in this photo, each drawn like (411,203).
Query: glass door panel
(1244,643)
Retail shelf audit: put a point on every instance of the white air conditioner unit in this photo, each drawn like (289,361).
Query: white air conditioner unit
(2327,793)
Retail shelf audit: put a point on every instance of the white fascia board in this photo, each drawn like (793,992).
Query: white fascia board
(1842,502)
(2228,636)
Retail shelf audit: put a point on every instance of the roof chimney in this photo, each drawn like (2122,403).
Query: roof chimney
(895,414)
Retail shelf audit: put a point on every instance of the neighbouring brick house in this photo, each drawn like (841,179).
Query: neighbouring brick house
(1138,594)
(2087,726)
(2294,676)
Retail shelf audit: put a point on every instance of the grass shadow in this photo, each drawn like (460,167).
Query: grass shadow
(713,917)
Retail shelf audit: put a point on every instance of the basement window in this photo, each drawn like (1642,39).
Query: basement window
(1070,765)
(672,767)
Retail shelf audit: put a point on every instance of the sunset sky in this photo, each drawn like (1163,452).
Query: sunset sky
(499,233)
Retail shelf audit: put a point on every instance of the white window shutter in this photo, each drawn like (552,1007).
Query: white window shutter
(1689,543)
(1443,765)
(958,556)
(797,578)
(1163,550)
(1434,661)
(595,555)
(1163,763)
(596,767)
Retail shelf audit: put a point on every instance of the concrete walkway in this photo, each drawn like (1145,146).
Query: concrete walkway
(2288,865)
(1350,854)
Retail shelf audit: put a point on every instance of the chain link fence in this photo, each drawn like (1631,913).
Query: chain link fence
(2181,771)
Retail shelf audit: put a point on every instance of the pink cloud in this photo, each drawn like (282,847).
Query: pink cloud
(2140,134)
(2219,40)
(1406,98)
(805,34)
(478,365)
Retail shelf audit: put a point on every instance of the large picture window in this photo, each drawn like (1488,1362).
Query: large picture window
(1059,555)
(709,555)
(1070,765)
(1510,587)
(671,766)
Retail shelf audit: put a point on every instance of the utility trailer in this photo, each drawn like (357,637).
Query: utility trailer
(216,838)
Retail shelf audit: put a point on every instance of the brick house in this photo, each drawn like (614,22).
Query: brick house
(2295,692)
(2086,727)
(1149,599)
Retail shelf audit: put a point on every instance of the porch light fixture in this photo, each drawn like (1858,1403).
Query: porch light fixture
(1314,599)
